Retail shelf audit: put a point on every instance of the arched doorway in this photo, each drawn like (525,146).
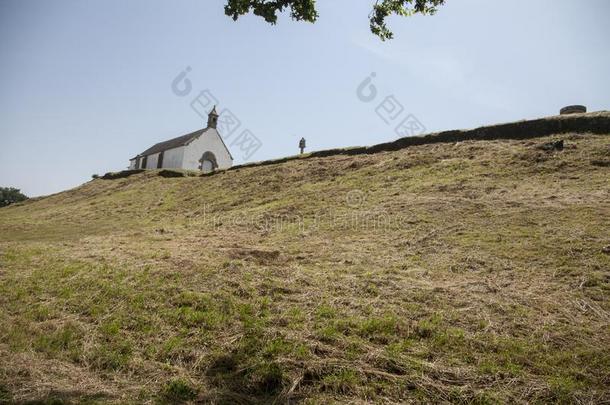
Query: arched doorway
(208,162)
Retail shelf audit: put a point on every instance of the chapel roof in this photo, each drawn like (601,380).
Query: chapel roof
(173,143)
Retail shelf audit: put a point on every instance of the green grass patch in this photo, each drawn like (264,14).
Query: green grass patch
(178,390)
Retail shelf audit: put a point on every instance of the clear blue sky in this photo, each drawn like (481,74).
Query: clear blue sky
(85,85)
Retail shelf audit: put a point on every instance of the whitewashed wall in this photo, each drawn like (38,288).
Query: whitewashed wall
(151,162)
(172,158)
(209,141)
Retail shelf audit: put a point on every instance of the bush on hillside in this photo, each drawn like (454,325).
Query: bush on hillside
(171,173)
(121,175)
(10,195)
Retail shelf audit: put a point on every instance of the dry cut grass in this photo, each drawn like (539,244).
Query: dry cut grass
(471,273)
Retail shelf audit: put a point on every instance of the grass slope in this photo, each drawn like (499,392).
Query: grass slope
(472,272)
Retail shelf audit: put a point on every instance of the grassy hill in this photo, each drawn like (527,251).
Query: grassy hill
(472,272)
